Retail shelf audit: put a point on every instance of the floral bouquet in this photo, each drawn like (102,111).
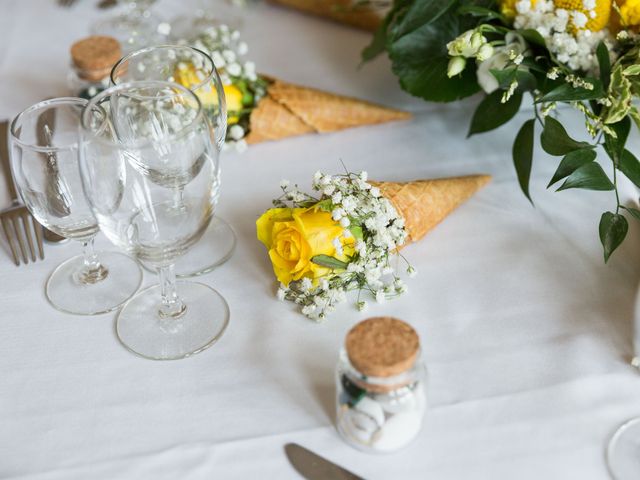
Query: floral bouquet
(343,238)
(583,53)
(262,108)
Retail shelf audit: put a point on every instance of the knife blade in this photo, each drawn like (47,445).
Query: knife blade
(314,467)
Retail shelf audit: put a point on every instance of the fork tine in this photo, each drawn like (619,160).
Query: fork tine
(26,224)
(38,229)
(10,239)
(20,238)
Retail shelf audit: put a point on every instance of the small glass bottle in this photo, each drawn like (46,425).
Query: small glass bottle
(380,382)
(92,59)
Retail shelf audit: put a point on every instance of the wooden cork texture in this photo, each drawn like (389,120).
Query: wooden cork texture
(382,346)
(95,56)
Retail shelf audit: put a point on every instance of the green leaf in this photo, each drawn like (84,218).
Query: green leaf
(588,177)
(569,93)
(613,229)
(523,155)
(377,45)
(356,231)
(620,96)
(329,262)
(482,12)
(631,70)
(532,36)
(325,205)
(526,80)
(635,213)
(419,14)
(630,166)
(571,162)
(556,141)
(420,60)
(602,52)
(492,113)
(614,146)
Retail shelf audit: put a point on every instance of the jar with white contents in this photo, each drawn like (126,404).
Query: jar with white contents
(380,382)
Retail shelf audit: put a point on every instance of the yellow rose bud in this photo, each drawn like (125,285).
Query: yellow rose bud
(293,236)
(187,75)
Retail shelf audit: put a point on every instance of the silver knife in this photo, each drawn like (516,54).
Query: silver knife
(314,467)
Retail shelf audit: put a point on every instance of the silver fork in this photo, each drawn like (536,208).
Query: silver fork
(18,224)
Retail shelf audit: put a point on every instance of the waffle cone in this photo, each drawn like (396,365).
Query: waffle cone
(289,110)
(425,203)
(367,17)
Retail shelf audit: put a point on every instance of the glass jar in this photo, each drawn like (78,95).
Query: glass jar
(380,384)
(92,59)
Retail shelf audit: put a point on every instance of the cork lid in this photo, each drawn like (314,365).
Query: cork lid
(382,346)
(95,56)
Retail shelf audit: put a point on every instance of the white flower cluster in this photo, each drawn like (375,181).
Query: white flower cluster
(227,50)
(377,231)
(471,44)
(564,31)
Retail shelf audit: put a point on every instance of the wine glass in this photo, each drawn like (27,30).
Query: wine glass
(134,27)
(195,70)
(623,450)
(141,143)
(44,161)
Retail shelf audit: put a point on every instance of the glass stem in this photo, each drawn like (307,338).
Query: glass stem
(92,270)
(172,306)
(178,198)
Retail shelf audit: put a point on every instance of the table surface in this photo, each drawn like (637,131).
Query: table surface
(526,333)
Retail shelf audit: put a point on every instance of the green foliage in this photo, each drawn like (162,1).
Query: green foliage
(571,162)
(329,262)
(613,229)
(589,176)
(523,155)
(492,113)
(556,141)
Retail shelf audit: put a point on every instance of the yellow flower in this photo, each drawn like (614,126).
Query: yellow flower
(188,76)
(602,10)
(629,12)
(508,7)
(294,236)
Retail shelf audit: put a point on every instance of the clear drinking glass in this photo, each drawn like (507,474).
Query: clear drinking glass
(44,160)
(623,450)
(150,170)
(195,70)
(134,27)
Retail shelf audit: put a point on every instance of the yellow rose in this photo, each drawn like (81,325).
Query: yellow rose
(629,13)
(188,76)
(294,236)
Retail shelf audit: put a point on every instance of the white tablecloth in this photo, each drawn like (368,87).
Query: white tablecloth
(526,332)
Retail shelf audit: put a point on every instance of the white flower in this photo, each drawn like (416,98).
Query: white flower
(337,244)
(236,132)
(234,69)
(411,271)
(281,293)
(243,48)
(456,66)
(380,296)
(485,52)
(241,146)
(362,306)
(363,176)
(498,61)
(306,285)
(284,184)
(345,222)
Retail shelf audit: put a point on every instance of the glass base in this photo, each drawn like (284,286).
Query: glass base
(623,452)
(69,294)
(143,331)
(214,248)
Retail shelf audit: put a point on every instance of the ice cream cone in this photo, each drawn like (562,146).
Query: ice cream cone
(289,110)
(367,17)
(425,203)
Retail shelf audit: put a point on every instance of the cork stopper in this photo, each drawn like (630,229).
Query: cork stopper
(94,56)
(382,346)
